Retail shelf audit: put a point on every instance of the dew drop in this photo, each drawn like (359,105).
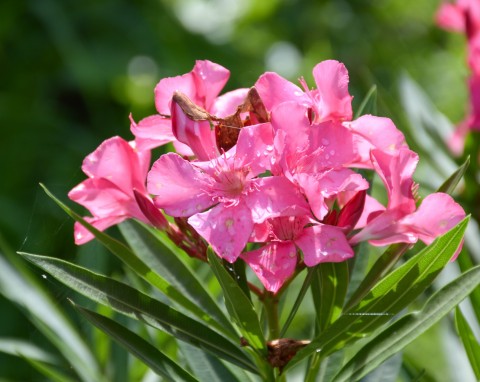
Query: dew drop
(325,141)
(332,152)
(327,156)
(44,276)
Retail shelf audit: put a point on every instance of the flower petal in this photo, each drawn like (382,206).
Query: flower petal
(226,229)
(334,101)
(179,187)
(151,132)
(273,264)
(323,243)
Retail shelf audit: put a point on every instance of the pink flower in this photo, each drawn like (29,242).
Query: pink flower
(401,221)
(224,197)
(115,170)
(330,101)
(276,261)
(202,86)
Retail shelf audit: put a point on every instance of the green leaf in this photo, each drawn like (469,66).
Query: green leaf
(238,305)
(163,259)
(26,349)
(140,348)
(205,367)
(472,347)
(18,284)
(48,371)
(298,300)
(135,304)
(126,255)
(406,329)
(382,266)
(451,183)
(388,297)
(465,262)
(369,103)
(329,288)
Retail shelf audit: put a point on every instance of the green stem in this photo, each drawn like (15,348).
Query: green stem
(270,303)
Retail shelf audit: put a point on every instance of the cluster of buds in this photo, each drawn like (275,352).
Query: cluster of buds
(270,174)
(464,16)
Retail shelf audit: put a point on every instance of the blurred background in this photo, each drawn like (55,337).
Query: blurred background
(71,72)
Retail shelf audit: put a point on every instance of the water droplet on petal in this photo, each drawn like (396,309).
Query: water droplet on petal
(325,141)
(332,152)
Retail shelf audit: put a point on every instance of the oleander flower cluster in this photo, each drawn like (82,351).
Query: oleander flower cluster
(272,174)
(464,16)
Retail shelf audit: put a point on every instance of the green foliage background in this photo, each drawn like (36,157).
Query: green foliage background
(69,80)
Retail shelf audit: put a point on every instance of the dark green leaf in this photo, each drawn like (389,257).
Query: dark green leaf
(451,183)
(406,329)
(239,306)
(298,300)
(164,260)
(140,348)
(329,288)
(472,347)
(369,103)
(135,304)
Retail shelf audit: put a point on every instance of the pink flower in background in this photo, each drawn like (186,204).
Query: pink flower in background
(276,261)
(115,169)
(464,16)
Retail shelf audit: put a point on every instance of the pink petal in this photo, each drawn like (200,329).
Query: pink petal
(274,90)
(451,16)
(335,101)
(320,186)
(437,214)
(83,235)
(151,132)
(227,103)
(198,135)
(375,132)
(273,264)
(226,229)
(275,196)
(179,187)
(371,208)
(323,243)
(167,86)
(210,78)
(255,148)
(396,171)
(115,159)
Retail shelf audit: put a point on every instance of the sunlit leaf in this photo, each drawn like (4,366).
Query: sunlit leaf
(369,103)
(406,329)
(388,297)
(140,348)
(239,306)
(163,260)
(472,347)
(137,305)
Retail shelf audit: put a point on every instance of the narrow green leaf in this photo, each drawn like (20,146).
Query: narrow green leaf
(451,183)
(49,371)
(472,347)
(126,255)
(135,304)
(465,261)
(406,329)
(388,297)
(205,367)
(26,349)
(164,260)
(238,305)
(369,103)
(298,300)
(382,266)
(329,289)
(140,348)
(18,284)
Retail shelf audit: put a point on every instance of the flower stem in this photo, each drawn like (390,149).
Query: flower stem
(270,303)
